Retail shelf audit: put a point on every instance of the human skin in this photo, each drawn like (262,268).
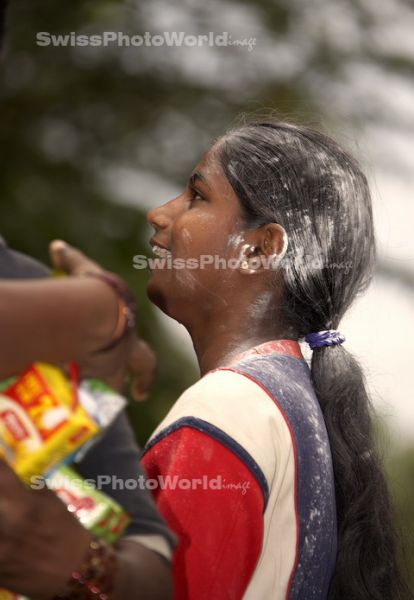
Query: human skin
(225,311)
(41,542)
(62,319)
(53,320)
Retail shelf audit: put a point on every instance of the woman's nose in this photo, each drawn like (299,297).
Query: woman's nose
(163,216)
(158,218)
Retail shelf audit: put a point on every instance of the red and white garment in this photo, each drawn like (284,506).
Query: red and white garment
(241,470)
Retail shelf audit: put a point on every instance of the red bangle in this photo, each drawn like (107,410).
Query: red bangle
(126,307)
(94,580)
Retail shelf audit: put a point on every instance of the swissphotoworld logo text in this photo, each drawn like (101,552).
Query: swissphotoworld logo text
(146,39)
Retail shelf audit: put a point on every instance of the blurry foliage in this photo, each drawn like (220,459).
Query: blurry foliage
(70,115)
(398,463)
(400,470)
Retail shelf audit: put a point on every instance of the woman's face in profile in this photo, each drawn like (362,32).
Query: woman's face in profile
(192,231)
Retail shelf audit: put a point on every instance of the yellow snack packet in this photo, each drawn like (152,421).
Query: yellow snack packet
(5,595)
(42,423)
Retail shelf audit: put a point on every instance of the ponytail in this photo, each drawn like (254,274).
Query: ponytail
(367,561)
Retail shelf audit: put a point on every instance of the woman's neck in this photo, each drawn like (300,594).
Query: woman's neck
(216,344)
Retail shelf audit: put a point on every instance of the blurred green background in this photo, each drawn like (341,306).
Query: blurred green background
(91,137)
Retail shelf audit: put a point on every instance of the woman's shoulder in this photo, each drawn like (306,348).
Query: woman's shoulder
(222,395)
(235,411)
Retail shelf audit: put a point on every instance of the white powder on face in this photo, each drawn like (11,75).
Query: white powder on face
(212,169)
(187,279)
(235,239)
(187,237)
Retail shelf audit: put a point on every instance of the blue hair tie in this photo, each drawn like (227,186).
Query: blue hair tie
(324,338)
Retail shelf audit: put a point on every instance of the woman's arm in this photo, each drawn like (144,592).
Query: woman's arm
(142,574)
(42,543)
(56,320)
(214,504)
(53,320)
(70,318)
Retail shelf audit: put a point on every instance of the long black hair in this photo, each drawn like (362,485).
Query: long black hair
(303,180)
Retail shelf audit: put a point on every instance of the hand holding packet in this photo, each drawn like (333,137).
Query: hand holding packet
(42,422)
(48,421)
(98,513)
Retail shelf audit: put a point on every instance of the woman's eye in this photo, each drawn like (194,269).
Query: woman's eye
(195,196)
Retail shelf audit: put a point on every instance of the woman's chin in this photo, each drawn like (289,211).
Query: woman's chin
(171,308)
(156,296)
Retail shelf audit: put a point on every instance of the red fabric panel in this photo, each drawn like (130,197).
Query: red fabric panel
(220,530)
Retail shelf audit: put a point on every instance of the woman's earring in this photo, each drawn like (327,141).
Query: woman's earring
(247,251)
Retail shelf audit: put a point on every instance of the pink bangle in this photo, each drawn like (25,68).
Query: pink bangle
(94,580)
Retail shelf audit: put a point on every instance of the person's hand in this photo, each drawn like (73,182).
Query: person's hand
(41,542)
(131,356)
(142,364)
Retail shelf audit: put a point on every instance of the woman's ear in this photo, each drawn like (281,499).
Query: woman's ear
(268,251)
(274,240)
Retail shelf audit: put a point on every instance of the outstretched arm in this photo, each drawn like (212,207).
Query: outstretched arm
(53,320)
(59,320)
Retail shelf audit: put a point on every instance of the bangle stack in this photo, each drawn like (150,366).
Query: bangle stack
(94,580)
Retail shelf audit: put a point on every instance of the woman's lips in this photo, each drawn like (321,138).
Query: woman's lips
(161,252)
(159,249)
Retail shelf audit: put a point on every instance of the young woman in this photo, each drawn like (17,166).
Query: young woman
(265,468)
